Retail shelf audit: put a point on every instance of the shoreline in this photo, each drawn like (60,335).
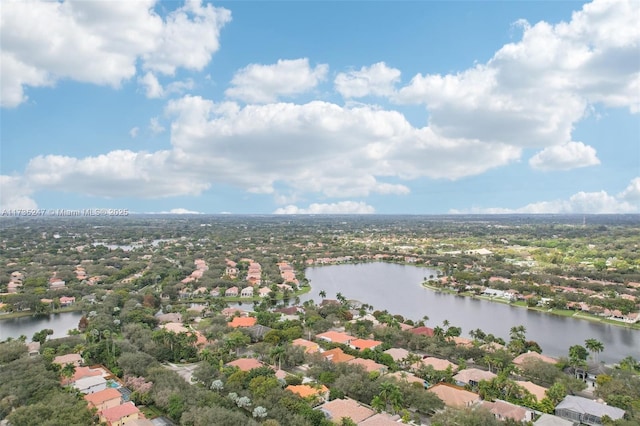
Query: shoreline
(557,312)
(22,314)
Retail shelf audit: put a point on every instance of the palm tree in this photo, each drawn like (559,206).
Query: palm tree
(323,294)
(68,371)
(594,346)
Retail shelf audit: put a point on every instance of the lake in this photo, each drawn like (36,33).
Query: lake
(397,288)
(59,323)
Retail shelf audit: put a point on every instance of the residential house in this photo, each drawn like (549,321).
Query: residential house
(362,344)
(381,419)
(232,312)
(520,359)
(423,331)
(320,392)
(104,399)
(551,420)
(91,384)
(369,365)
(503,410)
(407,377)
(120,415)
(398,354)
(245,364)
(335,337)
(586,411)
(264,291)
(231,292)
(82,372)
(243,322)
(247,292)
(337,355)
(454,396)
(63,360)
(538,391)
(338,409)
(309,347)
(67,301)
(472,376)
(33,348)
(437,364)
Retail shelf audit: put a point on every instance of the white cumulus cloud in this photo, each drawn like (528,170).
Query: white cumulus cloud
(533,91)
(266,83)
(376,80)
(598,202)
(567,156)
(342,207)
(100,42)
(16,193)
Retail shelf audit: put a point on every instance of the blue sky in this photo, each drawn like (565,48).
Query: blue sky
(321,107)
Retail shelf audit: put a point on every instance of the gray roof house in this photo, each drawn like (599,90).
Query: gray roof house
(91,384)
(587,411)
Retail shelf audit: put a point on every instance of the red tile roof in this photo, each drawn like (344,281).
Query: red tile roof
(243,322)
(114,414)
(98,398)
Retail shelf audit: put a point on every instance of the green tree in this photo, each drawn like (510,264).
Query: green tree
(594,346)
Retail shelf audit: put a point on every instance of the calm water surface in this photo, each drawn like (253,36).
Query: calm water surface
(59,323)
(397,288)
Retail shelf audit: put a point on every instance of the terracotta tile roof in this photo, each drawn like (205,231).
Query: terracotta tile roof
(243,322)
(114,414)
(533,355)
(368,364)
(505,410)
(310,347)
(538,391)
(337,355)
(361,344)
(438,364)
(397,353)
(453,396)
(85,372)
(408,377)
(68,359)
(306,391)
(246,364)
(340,408)
(474,374)
(425,331)
(335,337)
(381,419)
(98,398)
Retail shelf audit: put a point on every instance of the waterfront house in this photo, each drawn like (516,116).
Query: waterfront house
(247,292)
(231,292)
(520,359)
(586,411)
(423,331)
